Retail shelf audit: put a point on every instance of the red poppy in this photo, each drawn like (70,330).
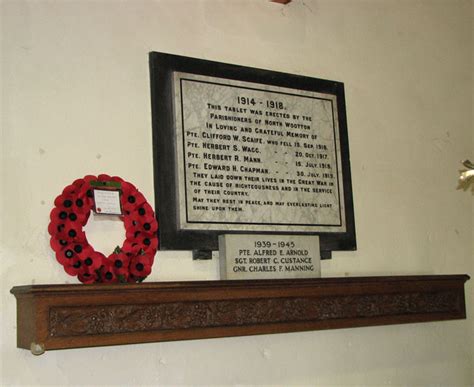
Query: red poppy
(103,177)
(130,246)
(131,200)
(65,256)
(71,189)
(83,205)
(149,243)
(140,266)
(131,226)
(74,232)
(66,199)
(76,267)
(127,187)
(145,210)
(88,278)
(58,243)
(107,273)
(86,194)
(56,226)
(117,179)
(120,263)
(91,259)
(78,183)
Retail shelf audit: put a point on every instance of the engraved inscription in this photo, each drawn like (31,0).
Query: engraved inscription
(254,156)
(254,256)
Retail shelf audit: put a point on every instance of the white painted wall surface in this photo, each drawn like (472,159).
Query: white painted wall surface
(75,101)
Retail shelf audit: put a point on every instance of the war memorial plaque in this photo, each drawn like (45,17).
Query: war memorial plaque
(257,256)
(242,150)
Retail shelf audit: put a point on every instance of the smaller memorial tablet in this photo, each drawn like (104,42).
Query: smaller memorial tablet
(263,256)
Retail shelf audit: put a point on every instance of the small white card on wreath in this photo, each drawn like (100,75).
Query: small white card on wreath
(264,256)
(107,202)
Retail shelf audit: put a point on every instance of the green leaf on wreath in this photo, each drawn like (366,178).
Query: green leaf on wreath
(99,276)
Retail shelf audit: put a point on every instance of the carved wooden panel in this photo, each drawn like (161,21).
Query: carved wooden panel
(106,319)
(67,316)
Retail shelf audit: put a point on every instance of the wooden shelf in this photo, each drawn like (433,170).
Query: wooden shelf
(70,316)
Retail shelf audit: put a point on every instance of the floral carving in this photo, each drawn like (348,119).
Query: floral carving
(116,319)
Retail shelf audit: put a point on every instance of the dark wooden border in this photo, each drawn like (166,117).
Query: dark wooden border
(70,316)
(162,67)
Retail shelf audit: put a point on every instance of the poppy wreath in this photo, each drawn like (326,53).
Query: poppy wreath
(130,263)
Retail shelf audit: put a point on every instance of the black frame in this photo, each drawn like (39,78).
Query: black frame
(162,67)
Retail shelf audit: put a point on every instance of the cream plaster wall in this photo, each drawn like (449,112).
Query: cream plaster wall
(75,100)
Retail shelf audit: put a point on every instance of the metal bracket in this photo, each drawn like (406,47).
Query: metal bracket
(202,255)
